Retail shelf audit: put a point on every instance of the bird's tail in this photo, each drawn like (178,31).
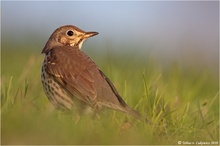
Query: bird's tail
(133,113)
(137,115)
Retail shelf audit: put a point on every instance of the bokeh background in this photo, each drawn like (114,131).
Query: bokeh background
(162,56)
(182,30)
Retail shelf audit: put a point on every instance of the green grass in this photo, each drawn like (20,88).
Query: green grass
(181,100)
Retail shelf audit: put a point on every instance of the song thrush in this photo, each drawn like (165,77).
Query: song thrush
(72,80)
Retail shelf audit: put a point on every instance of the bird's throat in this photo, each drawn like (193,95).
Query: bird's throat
(79,43)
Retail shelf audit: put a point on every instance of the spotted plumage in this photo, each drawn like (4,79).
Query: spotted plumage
(72,80)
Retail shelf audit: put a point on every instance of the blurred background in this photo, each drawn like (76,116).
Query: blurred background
(162,56)
(185,31)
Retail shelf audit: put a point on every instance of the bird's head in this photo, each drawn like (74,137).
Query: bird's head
(67,35)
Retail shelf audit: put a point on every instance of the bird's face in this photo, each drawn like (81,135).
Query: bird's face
(68,35)
(72,36)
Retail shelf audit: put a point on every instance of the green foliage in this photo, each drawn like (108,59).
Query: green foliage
(180,101)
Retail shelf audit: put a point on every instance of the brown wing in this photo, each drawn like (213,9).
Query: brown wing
(70,67)
(114,90)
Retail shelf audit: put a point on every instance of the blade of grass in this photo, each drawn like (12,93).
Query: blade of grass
(203,120)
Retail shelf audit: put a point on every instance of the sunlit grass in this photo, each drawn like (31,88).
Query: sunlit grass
(182,103)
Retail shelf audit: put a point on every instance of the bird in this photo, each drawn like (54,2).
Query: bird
(72,80)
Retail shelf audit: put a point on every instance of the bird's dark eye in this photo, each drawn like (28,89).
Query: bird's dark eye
(70,33)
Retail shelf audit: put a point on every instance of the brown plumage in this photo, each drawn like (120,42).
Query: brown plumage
(72,80)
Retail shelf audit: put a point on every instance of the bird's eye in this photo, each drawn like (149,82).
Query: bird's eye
(70,33)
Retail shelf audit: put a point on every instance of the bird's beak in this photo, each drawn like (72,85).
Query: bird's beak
(90,34)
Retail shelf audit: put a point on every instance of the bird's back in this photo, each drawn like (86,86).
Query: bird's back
(74,69)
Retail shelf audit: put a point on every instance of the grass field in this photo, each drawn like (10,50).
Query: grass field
(181,100)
